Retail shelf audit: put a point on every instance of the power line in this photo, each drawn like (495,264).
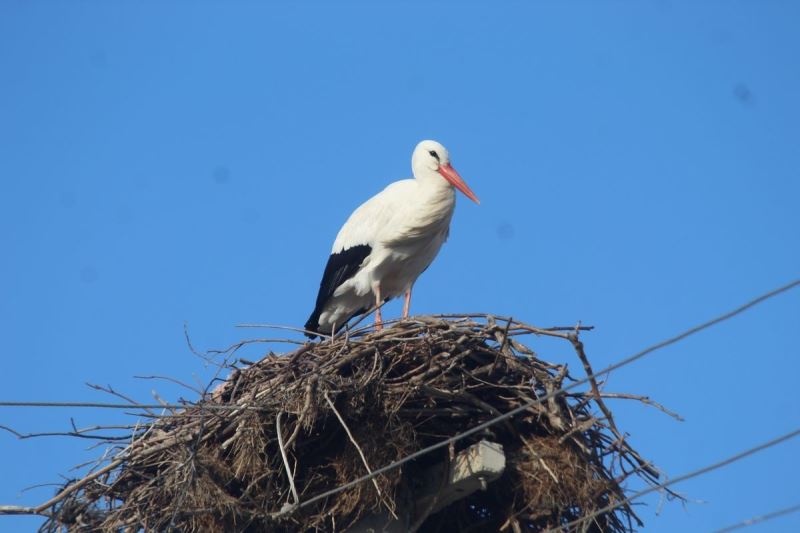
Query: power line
(100,405)
(476,429)
(489,423)
(695,473)
(760,518)
(542,399)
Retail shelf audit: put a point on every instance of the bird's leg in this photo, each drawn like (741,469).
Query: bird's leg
(376,288)
(407,303)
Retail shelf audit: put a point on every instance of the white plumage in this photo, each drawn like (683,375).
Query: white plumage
(389,241)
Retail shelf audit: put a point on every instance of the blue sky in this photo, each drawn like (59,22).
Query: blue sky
(170,163)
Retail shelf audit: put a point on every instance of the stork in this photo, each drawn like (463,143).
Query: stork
(388,242)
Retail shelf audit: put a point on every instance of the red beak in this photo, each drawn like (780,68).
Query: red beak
(450,174)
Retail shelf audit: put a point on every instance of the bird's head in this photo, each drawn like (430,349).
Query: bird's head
(431,161)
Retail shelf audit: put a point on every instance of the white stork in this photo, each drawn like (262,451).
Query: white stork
(388,242)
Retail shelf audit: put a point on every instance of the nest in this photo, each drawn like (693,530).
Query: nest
(335,410)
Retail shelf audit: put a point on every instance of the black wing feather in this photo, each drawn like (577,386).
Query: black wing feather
(341,267)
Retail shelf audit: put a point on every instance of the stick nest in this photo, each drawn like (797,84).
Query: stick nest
(217,465)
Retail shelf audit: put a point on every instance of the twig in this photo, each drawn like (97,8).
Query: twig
(69,489)
(196,443)
(173,380)
(17,510)
(288,328)
(360,451)
(79,433)
(644,399)
(286,460)
(369,312)
(590,375)
(109,390)
(306,407)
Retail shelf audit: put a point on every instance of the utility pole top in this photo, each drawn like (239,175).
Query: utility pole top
(471,470)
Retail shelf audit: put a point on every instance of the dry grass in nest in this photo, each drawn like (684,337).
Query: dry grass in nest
(398,390)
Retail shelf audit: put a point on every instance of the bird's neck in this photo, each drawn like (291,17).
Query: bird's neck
(435,190)
(436,202)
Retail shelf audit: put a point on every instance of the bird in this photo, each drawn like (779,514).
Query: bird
(388,242)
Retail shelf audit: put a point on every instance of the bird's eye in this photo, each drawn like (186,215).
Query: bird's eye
(434,154)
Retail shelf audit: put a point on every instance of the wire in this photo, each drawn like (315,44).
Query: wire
(542,399)
(760,518)
(469,432)
(484,425)
(694,473)
(220,407)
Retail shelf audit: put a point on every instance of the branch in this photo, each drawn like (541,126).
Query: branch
(286,460)
(79,433)
(17,510)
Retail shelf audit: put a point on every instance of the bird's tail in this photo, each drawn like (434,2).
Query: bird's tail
(312,325)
